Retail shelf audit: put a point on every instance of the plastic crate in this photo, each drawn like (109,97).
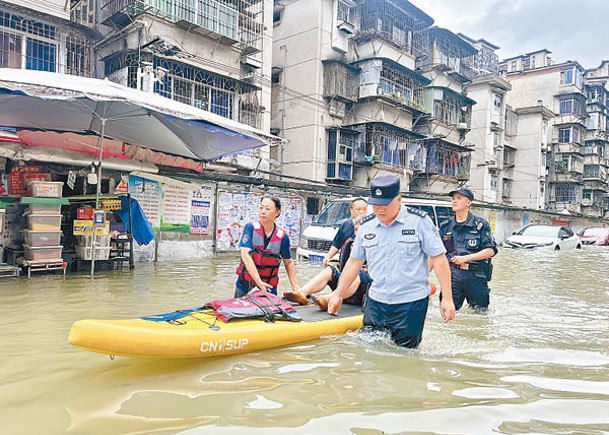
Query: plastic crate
(44,209)
(84,253)
(49,189)
(101,241)
(42,238)
(42,252)
(43,222)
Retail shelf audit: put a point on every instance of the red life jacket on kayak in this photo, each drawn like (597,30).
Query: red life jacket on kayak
(256,304)
(267,259)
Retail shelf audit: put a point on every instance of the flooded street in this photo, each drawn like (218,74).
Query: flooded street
(537,362)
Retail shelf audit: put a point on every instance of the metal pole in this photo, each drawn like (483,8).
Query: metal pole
(98,192)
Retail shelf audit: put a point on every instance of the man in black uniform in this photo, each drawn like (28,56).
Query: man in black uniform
(469,247)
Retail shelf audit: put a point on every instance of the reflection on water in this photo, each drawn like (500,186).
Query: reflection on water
(538,361)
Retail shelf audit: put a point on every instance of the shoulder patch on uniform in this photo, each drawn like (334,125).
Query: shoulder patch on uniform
(367,218)
(416,211)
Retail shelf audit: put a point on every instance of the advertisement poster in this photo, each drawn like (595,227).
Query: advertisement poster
(148,195)
(176,208)
(200,210)
(235,209)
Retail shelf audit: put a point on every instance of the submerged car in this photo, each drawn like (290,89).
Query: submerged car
(594,236)
(543,236)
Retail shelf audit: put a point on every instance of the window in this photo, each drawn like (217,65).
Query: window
(218,18)
(564,135)
(497,99)
(566,76)
(565,193)
(197,87)
(493,183)
(591,171)
(340,154)
(571,106)
(10,50)
(571,76)
(40,55)
(514,65)
(344,12)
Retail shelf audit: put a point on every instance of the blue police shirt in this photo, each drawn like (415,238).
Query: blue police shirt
(397,255)
(246,241)
(345,232)
(463,238)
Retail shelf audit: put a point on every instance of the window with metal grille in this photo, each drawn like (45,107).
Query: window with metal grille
(10,50)
(344,12)
(340,154)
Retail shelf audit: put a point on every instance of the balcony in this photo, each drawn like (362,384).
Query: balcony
(569,147)
(340,80)
(382,78)
(209,17)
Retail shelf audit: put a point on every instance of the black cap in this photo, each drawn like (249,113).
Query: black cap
(466,192)
(383,189)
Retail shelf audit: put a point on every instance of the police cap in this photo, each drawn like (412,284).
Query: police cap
(383,189)
(466,192)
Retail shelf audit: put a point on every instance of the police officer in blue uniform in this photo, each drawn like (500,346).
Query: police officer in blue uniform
(396,242)
(469,247)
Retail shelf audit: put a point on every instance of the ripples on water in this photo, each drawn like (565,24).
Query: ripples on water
(537,362)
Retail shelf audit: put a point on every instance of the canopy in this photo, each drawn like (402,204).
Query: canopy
(42,100)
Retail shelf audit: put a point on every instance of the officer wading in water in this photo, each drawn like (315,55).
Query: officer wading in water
(469,247)
(396,242)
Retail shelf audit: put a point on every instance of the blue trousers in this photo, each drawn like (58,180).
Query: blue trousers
(404,321)
(469,285)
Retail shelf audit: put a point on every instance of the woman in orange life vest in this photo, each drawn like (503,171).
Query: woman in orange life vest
(263,246)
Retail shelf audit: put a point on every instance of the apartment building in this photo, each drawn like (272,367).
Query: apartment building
(492,160)
(549,100)
(211,54)
(362,88)
(41,36)
(595,195)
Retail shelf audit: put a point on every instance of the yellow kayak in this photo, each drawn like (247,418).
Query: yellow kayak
(199,334)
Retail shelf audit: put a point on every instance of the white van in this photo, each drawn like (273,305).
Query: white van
(317,238)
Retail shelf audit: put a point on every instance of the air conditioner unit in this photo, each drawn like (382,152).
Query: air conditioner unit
(346,27)
(251,61)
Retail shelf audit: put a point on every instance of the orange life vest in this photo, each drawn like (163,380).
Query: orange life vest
(267,260)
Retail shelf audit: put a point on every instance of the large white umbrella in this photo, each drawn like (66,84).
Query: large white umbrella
(58,102)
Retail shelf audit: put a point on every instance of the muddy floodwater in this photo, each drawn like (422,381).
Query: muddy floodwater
(537,362)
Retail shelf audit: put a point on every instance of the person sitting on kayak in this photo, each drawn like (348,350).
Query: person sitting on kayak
(329,277)
(263,247)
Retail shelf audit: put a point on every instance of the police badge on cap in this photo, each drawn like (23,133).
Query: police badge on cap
(383,189)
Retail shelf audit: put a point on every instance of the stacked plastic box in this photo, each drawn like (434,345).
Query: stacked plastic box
(84,247)
(43,233)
